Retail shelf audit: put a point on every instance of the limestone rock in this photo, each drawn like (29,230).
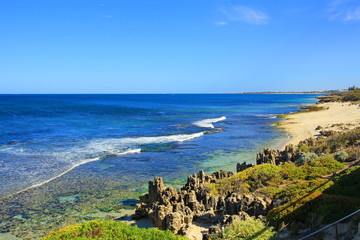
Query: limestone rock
(175,210)
(242,167)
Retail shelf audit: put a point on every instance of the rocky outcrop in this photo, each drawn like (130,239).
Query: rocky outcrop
(175,210)
(242,166)
(276,157)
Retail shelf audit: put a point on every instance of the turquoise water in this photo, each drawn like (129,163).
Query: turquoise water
(63,157)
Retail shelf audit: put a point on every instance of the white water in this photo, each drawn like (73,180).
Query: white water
(61,160)
(208,123)
(130,151)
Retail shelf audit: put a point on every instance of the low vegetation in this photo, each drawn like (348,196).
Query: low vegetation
(267,176)
(352,95)
(312,108)
(110,230)
(315,189)
(250,229)
(343,145)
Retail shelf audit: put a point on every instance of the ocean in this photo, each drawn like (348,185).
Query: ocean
(75,156)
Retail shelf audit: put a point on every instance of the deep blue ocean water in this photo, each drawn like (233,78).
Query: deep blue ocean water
(44,137)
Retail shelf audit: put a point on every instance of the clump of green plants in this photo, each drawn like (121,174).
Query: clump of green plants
(304,148)
(109,230)
(313,108)
(249,229)
(352,95)
(307,158)
(342,156)
(329,199)
(354,153)
(337,142)
(248,180)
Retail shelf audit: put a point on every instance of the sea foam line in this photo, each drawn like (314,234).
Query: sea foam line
(162,139)
(130,151)
(111,145)
(208,123)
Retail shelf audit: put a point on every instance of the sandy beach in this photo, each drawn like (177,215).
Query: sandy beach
(337,116)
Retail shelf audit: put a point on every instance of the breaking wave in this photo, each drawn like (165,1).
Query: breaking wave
(208,123)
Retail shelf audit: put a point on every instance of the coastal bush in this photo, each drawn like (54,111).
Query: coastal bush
(109,230)
(337,142)
(342,156)
(266,178)
(327,163)
(354,153)
(304,148)
(307,158)
(248,180)
(312,108)
(347,183)
(290,171)
(352,95)
(249,229)
(293,210)
(299,188)
(329,200)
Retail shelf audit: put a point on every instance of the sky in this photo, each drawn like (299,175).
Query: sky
(178,46)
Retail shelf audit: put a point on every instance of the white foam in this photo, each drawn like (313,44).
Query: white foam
(162,139)
(208,123)
(86,152)
(270,116)
(129,151)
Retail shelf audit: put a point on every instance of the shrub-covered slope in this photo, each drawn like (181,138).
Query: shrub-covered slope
(109,230)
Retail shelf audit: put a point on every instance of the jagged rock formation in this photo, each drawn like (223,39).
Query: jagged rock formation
(175,210)
(242,166)
(276,157)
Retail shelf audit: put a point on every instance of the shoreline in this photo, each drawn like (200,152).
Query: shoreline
(335,116)
(281,142)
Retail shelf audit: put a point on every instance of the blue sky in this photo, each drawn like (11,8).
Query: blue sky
(178,46)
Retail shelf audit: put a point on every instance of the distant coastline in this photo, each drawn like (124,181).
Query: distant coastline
(305,92)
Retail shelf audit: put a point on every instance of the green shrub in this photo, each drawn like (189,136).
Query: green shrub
(352,95)
(312,108)
(354,153)
(337,142)
(327,164)
(248,180)
(299,188)
(347,183)
(307,158)
(304,148)
(249,229)
(291,172)
(342,156)
(325,199)
(109,230)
